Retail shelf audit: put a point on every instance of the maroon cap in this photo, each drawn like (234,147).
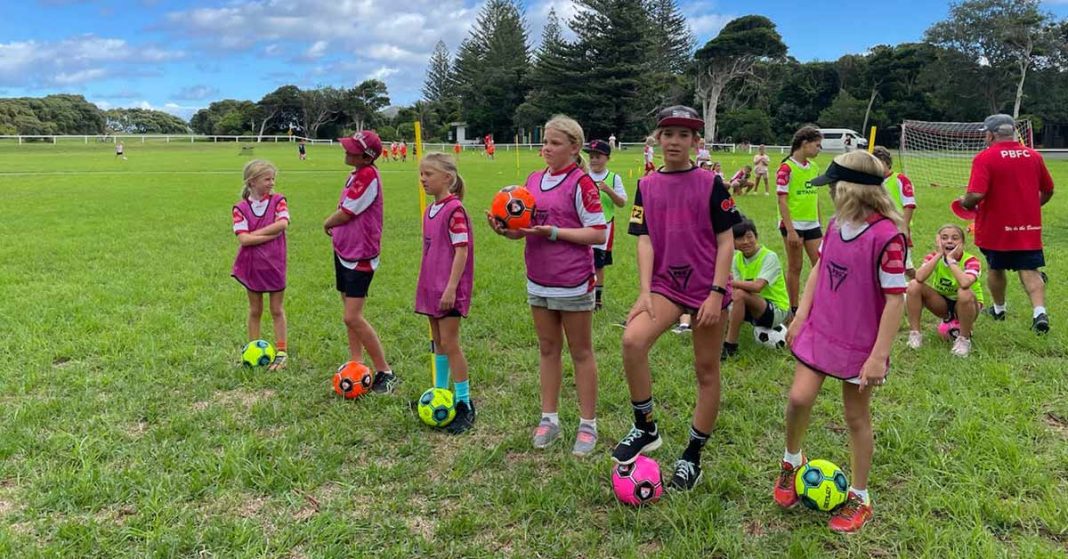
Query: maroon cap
(366,141)
(599,146)
(680,115)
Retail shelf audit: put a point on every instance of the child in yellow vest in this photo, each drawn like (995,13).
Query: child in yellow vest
(759,295)
(899,187)
(947,284)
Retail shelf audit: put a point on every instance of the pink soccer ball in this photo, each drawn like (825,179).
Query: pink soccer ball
(638,483)
(949,330)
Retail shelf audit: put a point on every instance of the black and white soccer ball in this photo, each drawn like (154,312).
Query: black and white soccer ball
(771,337)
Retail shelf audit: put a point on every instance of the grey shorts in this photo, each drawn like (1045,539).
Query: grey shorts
(578,303)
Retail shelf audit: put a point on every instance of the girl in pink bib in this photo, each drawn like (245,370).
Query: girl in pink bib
(560,277)
(260,222)
(682,216)
(846,322)
(446,277)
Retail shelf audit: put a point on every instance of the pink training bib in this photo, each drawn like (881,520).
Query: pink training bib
(261,268)
(360,238)
(438,254)
(557,263)
(840,331)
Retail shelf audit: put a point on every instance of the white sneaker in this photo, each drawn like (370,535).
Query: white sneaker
(962,346)
(915,339)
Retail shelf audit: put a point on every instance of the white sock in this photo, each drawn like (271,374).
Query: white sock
(999,308)
(862,493)
(1038,311)
(553,418)
(792,459)
(591,423)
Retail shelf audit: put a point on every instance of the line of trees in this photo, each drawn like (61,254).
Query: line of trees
(629,58)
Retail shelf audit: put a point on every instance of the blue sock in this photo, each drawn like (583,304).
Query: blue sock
(463,392)
(441,371)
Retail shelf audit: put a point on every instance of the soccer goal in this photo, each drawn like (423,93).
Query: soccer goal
(940,153)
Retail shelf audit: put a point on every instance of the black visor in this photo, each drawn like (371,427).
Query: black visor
(837,173)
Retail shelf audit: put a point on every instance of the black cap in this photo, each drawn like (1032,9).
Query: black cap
(680,115)
(598,146)
(837,173)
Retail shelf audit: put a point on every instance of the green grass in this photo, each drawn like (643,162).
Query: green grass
(127,430)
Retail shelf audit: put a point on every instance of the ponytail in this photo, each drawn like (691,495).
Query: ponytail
(804,134)
(581,162)
(570,128)
(457,188)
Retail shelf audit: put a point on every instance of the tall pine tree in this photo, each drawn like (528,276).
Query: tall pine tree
(438,85)
(549,90)
(491,68)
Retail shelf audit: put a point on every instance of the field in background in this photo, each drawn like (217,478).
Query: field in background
(128,430)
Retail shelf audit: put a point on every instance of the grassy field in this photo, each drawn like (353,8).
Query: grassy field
(128,430)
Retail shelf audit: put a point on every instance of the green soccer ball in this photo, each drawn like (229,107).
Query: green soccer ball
(258,353)
(821,485)
(437,407)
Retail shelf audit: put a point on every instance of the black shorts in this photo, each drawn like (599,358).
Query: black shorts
(601,258)
(766,318)
(1014,259)
(806,235)
(353,283)
(951,304)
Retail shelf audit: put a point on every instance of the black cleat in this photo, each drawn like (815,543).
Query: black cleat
(687,475)
(999,316)
(1040,324)
(464,420)
(636,442)
(385,382)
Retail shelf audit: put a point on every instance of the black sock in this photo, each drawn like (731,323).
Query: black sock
(597,293)
(729,346)
(697,442)
(793,310)
(643,415)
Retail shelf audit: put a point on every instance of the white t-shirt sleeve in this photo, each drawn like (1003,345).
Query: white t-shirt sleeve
(240,223)
(771,269)
(618,188)
(359,197)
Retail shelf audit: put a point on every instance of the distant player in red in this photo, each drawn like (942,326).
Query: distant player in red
(1008,186)
(491,148)
(457,148)
(404,151)
(394,149)
(648,154)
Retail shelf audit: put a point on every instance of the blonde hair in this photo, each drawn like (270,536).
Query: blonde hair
(253,170)
(446,164)
(570,128)
(854,202)
(651,140)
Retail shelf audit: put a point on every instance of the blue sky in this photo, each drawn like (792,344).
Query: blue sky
(180,56)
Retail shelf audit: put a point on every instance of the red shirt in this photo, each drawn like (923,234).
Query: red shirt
(1011,176)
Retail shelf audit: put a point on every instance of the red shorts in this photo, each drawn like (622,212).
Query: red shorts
(649,167)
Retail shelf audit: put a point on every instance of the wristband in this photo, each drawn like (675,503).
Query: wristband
(720,290)
(553,233)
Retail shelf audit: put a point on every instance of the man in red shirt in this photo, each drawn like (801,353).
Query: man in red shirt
(1008,186)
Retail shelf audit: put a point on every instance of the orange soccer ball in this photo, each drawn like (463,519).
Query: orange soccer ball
(352,380)
(513,207)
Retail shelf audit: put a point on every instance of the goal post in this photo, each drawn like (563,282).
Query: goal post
(940,153)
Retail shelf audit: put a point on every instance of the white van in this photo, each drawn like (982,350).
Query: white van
(836,139)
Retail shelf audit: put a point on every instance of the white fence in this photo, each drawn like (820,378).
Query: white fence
(195,138)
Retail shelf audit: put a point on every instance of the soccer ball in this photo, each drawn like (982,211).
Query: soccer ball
(949,329)
(513,207)
(638,483)
(437,407)
(821,485)
(771,337)
(352,380)
(258,353)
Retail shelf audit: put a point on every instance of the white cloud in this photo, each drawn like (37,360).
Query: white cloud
(707,26)
(382,73)
(196,93)
(316,51)
(76,60)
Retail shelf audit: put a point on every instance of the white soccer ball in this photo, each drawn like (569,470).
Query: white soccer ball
(771,337)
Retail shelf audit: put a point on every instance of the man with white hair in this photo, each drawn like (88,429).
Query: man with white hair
(1008,186)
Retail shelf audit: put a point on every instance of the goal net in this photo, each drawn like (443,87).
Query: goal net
(940,153)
